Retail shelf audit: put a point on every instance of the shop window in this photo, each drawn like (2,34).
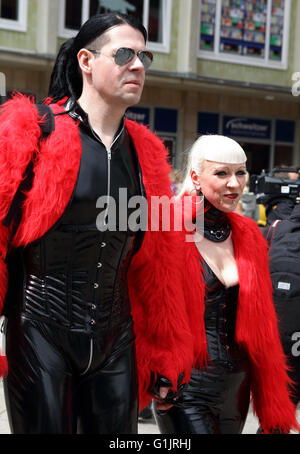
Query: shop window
(258,156)
(9,9)
(170,144)
(163,121)
(208,123)
(245,31)
(139,114)
(154,14)
(166,126)
(283,155)
(13,15)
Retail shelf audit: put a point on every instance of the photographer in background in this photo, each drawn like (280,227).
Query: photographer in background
(277,193)
(283,237)
(281,205)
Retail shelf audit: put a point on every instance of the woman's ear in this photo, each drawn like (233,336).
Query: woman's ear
(195,179)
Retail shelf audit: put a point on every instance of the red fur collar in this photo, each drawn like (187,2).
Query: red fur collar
(57,164)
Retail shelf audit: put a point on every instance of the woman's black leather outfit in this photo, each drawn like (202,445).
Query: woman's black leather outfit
(217,398)
(70,348)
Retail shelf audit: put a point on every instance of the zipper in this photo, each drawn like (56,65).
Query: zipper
(91,357)
(108,153)
(108,181)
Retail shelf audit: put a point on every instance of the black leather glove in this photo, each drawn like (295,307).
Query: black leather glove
(162,382)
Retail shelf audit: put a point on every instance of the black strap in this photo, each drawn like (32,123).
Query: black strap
(48,123)
(271,231)
(14,214)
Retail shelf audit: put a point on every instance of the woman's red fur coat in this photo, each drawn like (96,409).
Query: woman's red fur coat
(165,284)
(256,323)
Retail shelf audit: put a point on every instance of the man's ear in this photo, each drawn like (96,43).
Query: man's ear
(85,59)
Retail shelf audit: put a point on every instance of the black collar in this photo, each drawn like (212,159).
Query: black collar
(216,225)
(76,112)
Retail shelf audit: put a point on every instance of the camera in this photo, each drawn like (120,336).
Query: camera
(269,186)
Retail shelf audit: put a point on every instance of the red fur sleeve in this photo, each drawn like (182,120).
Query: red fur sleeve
(19,133)
(163,338)
(257,329)
(3,286)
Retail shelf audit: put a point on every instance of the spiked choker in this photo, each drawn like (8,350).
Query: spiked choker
(216,225)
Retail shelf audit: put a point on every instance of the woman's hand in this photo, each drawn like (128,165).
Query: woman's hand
(160,404)
(163,395)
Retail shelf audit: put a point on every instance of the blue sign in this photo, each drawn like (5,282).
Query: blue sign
(285,131)
(254,128)
(139,114)
(165,120)
(208,123)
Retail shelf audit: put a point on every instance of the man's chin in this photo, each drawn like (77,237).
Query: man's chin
(132,100)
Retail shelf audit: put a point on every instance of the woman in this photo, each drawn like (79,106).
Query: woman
(74,353)
(229,301)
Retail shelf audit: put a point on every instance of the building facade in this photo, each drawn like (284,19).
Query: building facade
(220,66)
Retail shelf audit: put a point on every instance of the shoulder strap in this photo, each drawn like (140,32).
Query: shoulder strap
(14,214)
(45,112)
(271,231)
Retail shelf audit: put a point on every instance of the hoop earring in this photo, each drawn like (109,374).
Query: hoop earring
(197,194)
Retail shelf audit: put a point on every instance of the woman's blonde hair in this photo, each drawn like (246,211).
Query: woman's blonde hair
(215,148)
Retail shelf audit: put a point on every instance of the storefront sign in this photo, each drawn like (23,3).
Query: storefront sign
(246,127)
(139,114)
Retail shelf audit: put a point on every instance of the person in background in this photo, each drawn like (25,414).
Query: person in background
(280,206)
(247,206)
(283,237)
(176,181)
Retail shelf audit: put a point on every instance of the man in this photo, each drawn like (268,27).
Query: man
(70,342)
(280,206)
(283,237)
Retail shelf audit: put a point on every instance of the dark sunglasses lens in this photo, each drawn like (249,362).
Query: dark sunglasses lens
(123,56)
(146,58)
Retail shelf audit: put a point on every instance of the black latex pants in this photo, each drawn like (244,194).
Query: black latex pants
(215,402)
(55,386)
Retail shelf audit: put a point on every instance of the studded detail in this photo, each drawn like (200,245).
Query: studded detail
(103,244)
(96,285)
(99,265)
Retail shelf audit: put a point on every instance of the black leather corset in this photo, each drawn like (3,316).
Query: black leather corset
(75,276)
(220,319)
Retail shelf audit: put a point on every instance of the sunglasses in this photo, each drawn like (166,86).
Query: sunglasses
(124,55)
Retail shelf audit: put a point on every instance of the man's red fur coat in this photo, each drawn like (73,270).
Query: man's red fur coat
(163,338)
(168,316)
